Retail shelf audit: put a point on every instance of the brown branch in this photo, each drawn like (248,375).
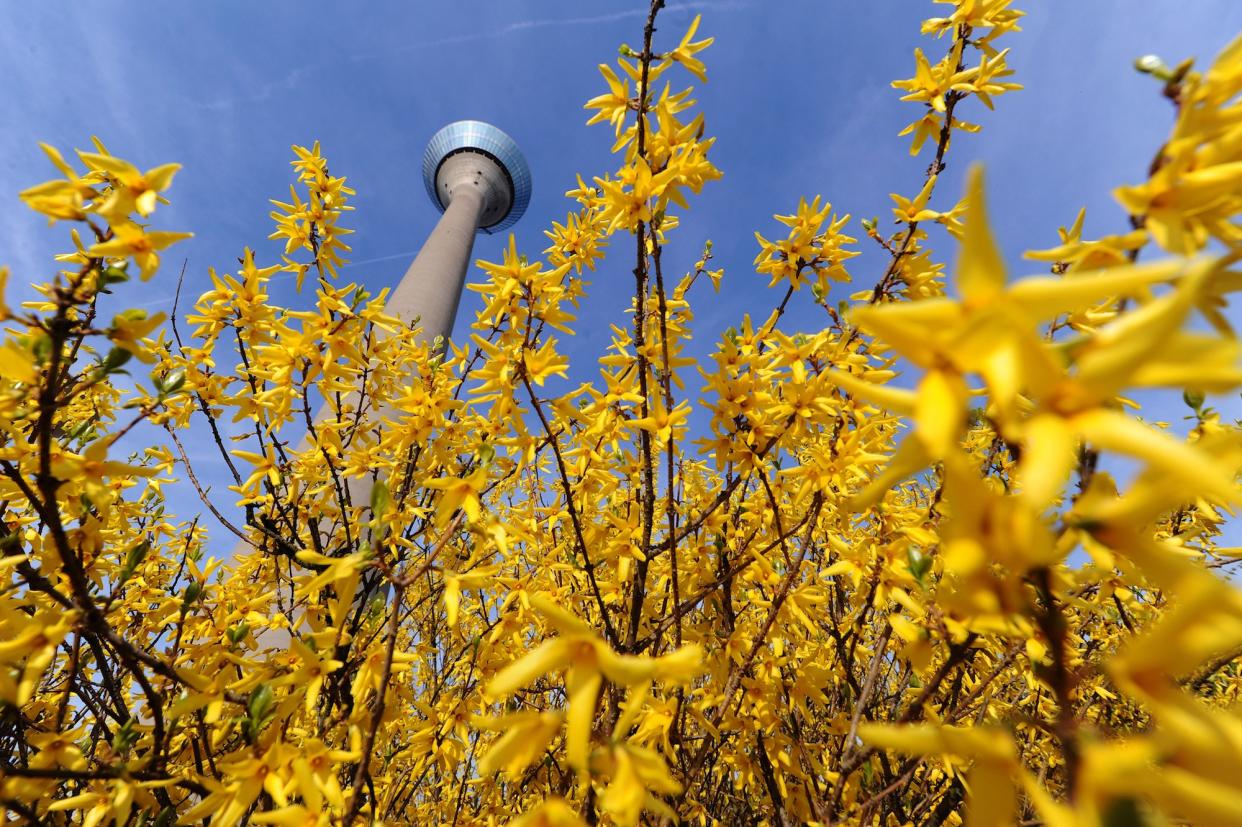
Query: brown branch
(400,584)
(638,583)
(579,537)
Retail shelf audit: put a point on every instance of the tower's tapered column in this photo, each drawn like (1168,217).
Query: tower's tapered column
(431,288)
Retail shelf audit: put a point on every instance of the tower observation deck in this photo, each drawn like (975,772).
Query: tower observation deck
(476,176)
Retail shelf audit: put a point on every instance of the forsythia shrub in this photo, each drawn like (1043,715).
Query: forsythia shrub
(847,603)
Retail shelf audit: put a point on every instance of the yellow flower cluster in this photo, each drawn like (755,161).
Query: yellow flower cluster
(664,157)
(310,225)
(810,250)
(782,584)
(941,86)
(113,190)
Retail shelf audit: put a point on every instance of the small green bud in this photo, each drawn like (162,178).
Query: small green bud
(124,738)
(134,559)
(1193,399)
(113,275)
(258,711)
(1154,66)
(133,314)
(260,701)
(236,634)
(172,382)
(81,428)
(115,360)
(380,498)
(377,606)
(191,594)
(920,565)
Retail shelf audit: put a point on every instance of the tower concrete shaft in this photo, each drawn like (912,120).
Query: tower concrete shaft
(431,288)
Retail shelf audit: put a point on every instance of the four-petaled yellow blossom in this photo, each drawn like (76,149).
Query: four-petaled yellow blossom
(460,493)
(811,251)
(689,47)
(588,661)
(132,190)
(132,241)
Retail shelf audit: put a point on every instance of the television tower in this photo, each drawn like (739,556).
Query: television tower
(476,176)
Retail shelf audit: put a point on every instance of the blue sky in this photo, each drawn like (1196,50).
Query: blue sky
(798,97)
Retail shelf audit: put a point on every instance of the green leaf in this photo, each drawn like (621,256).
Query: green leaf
(124,738)
(236,634)
(111,275)
(170,383)
(259,708)
(192,593)
(1124,812)
(115,360)
(920,565)
(41,348)
(134,559)
(380,498)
